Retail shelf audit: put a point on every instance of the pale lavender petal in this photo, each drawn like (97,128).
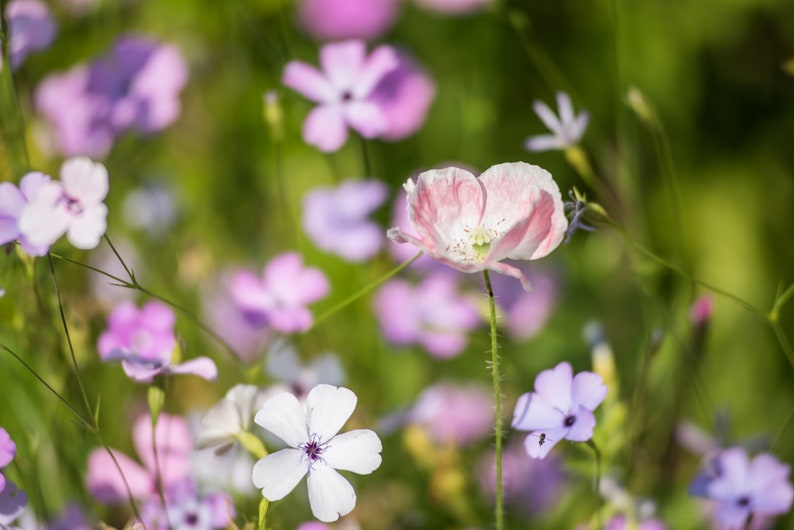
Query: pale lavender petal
(366,118)
(588,390)
(579,125)
(290,319)
(328,408)
(330,494)
(201,366)
(554,386)
(325,128)
(357,451)
(12,503)
(32,182)
(734,467)
(158,84)
(400,326)
(309,82)
(284,416)
(565,109)
(7,448)
(12,200)
(87,229)
(380,62)
(8,230)
(538,444)
(543,142)
(30,27)
(249,293)
(43,220)
(342,63)
(141,371)
(532,413)
(278,473)
(582,429)
(548,118)
(84,180)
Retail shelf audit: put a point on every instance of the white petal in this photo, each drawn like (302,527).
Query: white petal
(277,474)
(283,415)
(84,180)
(42,221)
(330,494)
(328,408)
(87,229)
(357,451)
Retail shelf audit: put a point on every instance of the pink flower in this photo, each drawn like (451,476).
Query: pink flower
(336,219)
(7,451)
(404,96)
(347,19)
(341,90)
(513,210)
(12,201)
(74,206)
(454,7)
(454,414)
(279,298)
(173,443)
(143,340)
(432,314)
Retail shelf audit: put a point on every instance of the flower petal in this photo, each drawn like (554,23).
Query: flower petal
(532,413)
(554,386)
(380,62)
(588,390)
(87,228)
(539,443)
(308,82)
(342,63)
(203,367)
(43,220)
(582,429)
(85,180)
(107,484)
(366,118)
(278,473)
(284,416)
(328,408)
(330,494)
(565,109)
(325,128)
(357,451)
(548,118)
(543,142)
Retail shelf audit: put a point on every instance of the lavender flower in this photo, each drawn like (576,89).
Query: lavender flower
(335,219)
(30,28)
(454,414)
(566,131)
(561,408)
(13,201)
(7,451)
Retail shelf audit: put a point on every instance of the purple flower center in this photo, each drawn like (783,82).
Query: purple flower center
(191,519)
(313,448)
(347,95)
(73,205)
(570,420)
(743,501)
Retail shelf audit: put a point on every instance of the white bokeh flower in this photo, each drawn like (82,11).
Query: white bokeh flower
(229,418)
(566,131)
(315,449)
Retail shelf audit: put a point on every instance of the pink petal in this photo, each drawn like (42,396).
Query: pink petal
(107,484)
(309,82)
(342,63)
(379,63)
(511,193)
(201,366)
(325,128)
(174,444)
(514,272)
(366,118)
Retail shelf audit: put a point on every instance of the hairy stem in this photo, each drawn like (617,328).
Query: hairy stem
(497,396)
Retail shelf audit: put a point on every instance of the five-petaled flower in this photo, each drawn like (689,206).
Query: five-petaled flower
(512,211)
(742,488)
(315,449)
(7,451)
(342,92)
(566,131)
(560,408)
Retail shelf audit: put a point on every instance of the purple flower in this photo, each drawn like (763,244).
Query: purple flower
(279,298)
(454,414)
(30,29)
(560,408)
(335,219)
(12,503)
(135,86)
(347,19)
(143,340)
(187,509)
(12,201)
(741,488)
(72,518)
(74,206)
(342,92)
(174,444)
(284,365)
(525,314)
(404,96)
(7,451)
(432,314)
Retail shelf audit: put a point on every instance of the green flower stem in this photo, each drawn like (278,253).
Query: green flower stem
(497,396)
(156,398)
(597,484)
(361,292)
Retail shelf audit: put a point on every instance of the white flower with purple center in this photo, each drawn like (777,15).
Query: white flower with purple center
(336,219)
(231,416)
(566,131)
(74,206)
(561,408)
(315,449)
(342,91)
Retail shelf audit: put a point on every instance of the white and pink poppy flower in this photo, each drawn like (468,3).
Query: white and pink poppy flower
(512,211)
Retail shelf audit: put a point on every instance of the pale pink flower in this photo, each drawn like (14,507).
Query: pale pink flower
(74,206)
(454,413)
(454,7)
(341,91)
(512,211)
(347,19)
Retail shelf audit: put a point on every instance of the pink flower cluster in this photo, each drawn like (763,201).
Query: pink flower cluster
(41,210)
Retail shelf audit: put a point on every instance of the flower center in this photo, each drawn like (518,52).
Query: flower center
(347,96)
(480,241)
(191,519)
(743,501)
(313,448)
(570,420)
